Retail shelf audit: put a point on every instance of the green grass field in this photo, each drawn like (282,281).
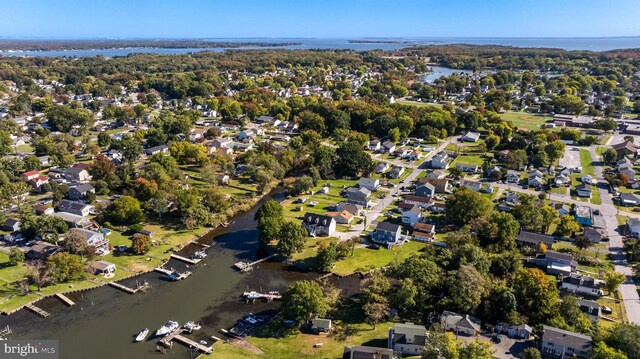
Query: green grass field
(365,259)
(524,120)
(469,159)
(419,104)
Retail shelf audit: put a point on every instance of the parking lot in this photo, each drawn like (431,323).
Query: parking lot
(571,158)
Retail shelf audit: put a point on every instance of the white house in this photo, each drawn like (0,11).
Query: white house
(440,160)
(471,137)
(319,225)
(371,184)
(460,324)
(411,215)
(633,227)
(582,284)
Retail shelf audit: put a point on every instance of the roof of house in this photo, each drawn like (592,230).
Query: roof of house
(417,333)
(415,209)
(321,322)
(10,222)
(584,187)
(581,280)
(421,226)
(317,219)
(626,145)
(633,222)
(420,199)
(101,265)
(387,226)
(534,238)
(590,307)
(365,352)
(344,213)
(465,321)
(82,188)
(72,205)
(474,135)
(558,256)
(566,338)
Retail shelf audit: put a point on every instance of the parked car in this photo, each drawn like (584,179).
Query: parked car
(497,338)
(606,310)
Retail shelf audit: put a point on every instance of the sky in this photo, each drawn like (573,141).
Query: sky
(319,18)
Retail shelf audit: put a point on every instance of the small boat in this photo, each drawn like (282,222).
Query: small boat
(252,295)
(191,326)
(167,328)
(199,255)
(143,334)
(224,224)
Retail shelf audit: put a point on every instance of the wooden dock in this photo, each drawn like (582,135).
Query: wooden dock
(253,295)
(65,299)
(185,259)
(246,266)
(176,335)
(39,311)
(163,270)
(142,287)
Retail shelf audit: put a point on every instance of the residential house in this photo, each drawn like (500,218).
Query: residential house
(469,168)
(103,267)
(38,182)
(387,233)
(533,239)
(318,225)
(582,284)
(562,208)
(557,263)
(584,216)
(341,217)
(633,227)
(587,179)
(371,184)
(354,209)
(388,147)
(94,239)
(359,196)
(365,352)
(11,225)
(79,192)
(584,190)
(30,175)
(591,308)
(396,172)
(374,145)
(460,324)
(246,135)
(412,215)
(156,150)
(321,325)
(512,176)
(422,202)
(407,338)
(426,190)
(536,179)
(436,174)
(438,208)
(594,234)
(73,207)
(471,137)
(424,232)
(78,173)
(44,160)
(442,185)
(625,148)
(560,343)
(627,169)
(42,250)
(382,167)
(522,331)
(42,209)
(561,180)
(629,199)
(441,160)
(73,220)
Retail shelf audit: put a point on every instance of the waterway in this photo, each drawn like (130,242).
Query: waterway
(592,44)
(104,321)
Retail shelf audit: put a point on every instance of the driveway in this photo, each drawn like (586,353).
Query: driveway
(571,158)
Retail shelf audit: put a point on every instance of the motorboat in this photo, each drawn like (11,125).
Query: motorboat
(143,334)
(199,255)
(167,328)
(191,326)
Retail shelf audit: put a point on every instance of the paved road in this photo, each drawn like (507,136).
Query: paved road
(627,290)
(376,211)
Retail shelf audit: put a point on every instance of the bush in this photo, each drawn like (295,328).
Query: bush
(136,228)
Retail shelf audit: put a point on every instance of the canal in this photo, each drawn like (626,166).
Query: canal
(104,321)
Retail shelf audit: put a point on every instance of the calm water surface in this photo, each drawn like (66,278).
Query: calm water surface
(104,321)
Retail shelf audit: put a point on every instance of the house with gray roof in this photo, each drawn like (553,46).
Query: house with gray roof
(79,192)
(359,196)
(366,352)
(582,284)
(522,331)
(559,343)
(533,239)
(77,208)
(460,324)
(407,338)
(318,224)
(557,263)
(387,233)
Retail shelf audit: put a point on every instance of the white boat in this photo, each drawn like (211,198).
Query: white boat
(252,295)
(167,328)
(143,334)
(199,255)
(191,326)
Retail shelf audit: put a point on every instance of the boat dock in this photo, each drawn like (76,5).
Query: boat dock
(39,311)
(185,259)
(141,288)
(163,270)
(65,299)
(176,335)
(253,295)
(246,266)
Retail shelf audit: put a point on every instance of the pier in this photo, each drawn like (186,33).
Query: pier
(39,311)
(176,335)
(185,259)
(253,295)
(246,266)
(141,288)
(65,299)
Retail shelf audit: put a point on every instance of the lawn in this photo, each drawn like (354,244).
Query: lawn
(468,159)
(301,346)
(524,120)
(365,259)
(324,200)
(587,162)
(419,104)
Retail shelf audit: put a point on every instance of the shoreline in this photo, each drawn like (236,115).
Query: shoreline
(209,232)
